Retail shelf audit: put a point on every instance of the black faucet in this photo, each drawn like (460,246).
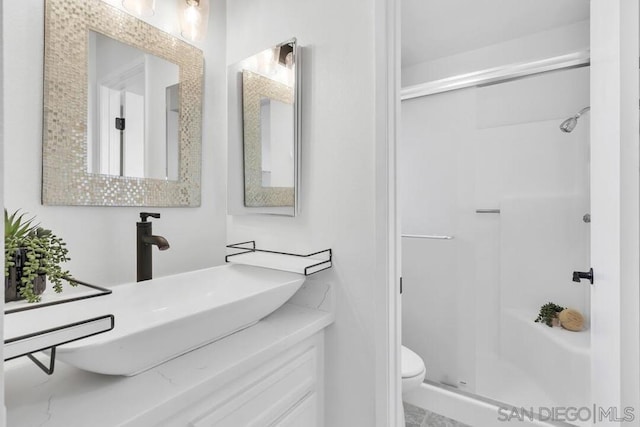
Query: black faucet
(144,241)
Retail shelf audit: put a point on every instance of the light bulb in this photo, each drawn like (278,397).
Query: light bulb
(194,18)
(192,21)
(140,7)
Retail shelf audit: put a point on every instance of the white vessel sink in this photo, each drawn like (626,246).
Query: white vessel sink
(160,319)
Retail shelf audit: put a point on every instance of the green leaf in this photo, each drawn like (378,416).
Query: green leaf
(44,253)
(548,312)
(16,226)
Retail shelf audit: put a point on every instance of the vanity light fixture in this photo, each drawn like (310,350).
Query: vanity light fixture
(194,15)
(140,7)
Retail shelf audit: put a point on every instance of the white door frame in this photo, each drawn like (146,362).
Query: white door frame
(387,290)
(615,189)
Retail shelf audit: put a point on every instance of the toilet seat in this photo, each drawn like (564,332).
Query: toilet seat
(411,364)
(413,372)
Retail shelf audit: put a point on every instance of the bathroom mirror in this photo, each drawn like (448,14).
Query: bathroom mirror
(122,110)
(264,127)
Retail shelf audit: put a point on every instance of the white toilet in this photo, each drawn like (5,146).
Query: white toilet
(413,370)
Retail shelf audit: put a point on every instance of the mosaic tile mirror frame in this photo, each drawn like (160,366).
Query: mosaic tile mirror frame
(65,176)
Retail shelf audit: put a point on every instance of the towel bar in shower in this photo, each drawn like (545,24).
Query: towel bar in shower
(427,236)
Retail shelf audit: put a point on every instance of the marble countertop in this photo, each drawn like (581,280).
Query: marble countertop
(72,397)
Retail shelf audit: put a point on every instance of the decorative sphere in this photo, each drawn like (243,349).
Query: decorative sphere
(571,319)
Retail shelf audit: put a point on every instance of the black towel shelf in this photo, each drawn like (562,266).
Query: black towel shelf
(303,264)
(50,338)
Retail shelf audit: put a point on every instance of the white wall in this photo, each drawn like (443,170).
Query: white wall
(338,193)
(101,240)
(559,41)
(281,156)
(112,57)
(161,74)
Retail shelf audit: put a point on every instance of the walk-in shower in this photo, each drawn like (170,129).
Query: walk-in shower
(492,214)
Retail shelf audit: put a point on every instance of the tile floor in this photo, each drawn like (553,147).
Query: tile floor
(418,417)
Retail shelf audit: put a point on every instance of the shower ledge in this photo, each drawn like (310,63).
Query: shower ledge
(579,342)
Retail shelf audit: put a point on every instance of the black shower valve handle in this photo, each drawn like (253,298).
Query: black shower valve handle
(145,215)
(579,275)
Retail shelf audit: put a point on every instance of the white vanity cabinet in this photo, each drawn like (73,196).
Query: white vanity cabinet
(270,374)
(285,391)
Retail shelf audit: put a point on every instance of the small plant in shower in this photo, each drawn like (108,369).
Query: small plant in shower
(549,313)
(31,254)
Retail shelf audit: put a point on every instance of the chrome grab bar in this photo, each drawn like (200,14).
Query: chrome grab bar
(426,236)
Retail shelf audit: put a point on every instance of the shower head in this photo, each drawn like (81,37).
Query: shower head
(570,124)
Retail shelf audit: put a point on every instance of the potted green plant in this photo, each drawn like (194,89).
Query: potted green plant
(549,314)
(31,254)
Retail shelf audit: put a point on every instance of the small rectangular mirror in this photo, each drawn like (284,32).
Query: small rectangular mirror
(263,132)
